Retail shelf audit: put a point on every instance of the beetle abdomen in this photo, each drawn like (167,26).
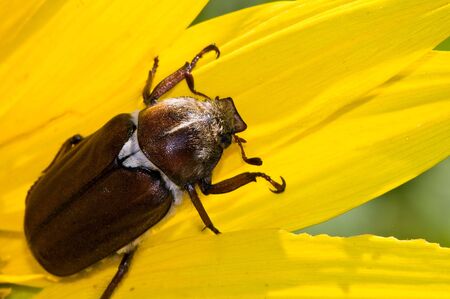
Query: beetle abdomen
(87,206)
(122,205)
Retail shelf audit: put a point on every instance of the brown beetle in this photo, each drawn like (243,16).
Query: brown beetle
(101,192)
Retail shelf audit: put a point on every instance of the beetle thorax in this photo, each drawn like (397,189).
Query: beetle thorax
(185,137)
(206,121)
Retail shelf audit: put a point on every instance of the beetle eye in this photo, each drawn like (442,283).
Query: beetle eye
(225,140)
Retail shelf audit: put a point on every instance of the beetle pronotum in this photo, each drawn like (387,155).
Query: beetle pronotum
(101,192)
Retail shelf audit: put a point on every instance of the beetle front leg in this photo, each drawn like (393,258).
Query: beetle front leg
(200,209)
(183,73)
(121,271)
(238,181)
(252,161)
(148,85)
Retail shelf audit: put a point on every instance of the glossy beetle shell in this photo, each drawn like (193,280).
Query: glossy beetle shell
(185,141)
(86,205)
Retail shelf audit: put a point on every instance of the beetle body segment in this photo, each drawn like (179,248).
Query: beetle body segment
(87,205)
(189,133)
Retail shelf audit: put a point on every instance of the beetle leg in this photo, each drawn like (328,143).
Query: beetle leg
(121,271)
(190,82)
(148,85)
(238,181)
(252,161)
(65,147)
(183,73)
(200,209)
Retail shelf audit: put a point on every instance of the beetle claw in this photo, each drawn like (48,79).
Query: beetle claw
(215,49)
(254,161)
(209,48)
(279,188)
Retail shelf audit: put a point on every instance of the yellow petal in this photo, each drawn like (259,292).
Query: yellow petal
(14,16)
(299,56)
(289,95)
(17,265)
(300,84)
(401,101)
(275,264)
(389,136)
(78,64)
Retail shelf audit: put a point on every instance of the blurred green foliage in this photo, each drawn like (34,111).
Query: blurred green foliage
(20,292)
(216,8)
(444,46)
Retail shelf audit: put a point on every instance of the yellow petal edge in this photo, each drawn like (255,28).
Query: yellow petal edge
(276,264)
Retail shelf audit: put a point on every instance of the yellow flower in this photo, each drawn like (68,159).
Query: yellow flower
(329,89)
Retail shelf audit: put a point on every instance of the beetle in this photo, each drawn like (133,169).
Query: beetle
(102,192)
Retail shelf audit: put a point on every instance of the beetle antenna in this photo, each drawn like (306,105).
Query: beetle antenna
(252,161)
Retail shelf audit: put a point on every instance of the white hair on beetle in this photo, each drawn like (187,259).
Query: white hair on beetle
(135,158)
(132,245)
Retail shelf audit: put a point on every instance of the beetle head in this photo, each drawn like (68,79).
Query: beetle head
(185,137)
(230,114)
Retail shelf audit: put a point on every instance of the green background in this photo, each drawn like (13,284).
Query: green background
(417,209)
